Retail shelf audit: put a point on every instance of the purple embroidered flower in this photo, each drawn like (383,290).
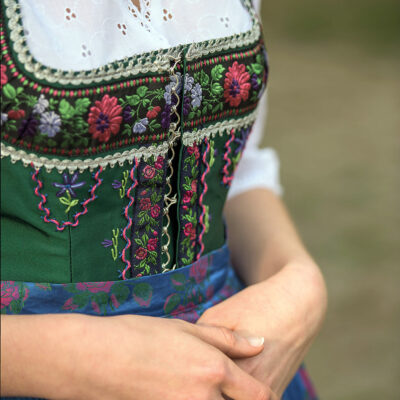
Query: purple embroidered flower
(254,83)
(166,117)
(241,140)
(4,118)
(168,89)
(127,114)
(50,123)
(41,105)
(189,81)
(197,95)
(186,106)
(140,127)
(70,183)
(116,184)
(28,127)
(107,243)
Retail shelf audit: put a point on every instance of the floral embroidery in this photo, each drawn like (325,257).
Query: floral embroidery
(121,185)
(113,243)
(189,214)
(105,118)
(70,183)
(236,86)
(148,217)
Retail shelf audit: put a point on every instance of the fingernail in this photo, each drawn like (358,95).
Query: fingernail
(255,341)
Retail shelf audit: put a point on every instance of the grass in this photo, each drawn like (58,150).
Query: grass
(334,119)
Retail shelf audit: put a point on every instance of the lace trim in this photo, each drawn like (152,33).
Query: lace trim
(81,165)
(197,136)
(155,61)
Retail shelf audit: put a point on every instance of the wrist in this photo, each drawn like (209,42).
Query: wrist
(37,354)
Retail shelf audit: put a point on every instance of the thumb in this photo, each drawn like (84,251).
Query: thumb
(228,341)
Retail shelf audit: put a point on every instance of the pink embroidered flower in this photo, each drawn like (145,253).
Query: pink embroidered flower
(190,231)
(145,204)
(16,114)
(153,112)
(194,185)
(155,211)
(187,313)
(114,301)
(69,304)
(198,270)
(159,163)
(152,244)
(3,79)
(236,86)
(187,196)
(95,287)
(141,253)
(9,292)
(194,149)
(149,172)
(105,118)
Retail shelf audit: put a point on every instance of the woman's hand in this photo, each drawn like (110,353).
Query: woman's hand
(125,357)
(287,309)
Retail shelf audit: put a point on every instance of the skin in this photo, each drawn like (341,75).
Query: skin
(286,299)
(121,357)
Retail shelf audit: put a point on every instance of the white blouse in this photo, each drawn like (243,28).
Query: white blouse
(82,35)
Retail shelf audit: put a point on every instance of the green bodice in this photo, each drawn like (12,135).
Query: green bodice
(121,171)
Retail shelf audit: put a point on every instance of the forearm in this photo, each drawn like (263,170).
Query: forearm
(36,354)
(261,236)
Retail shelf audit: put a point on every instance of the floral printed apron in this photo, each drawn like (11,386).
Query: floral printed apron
(113,180)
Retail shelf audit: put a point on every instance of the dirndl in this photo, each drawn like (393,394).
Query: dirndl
(183,293)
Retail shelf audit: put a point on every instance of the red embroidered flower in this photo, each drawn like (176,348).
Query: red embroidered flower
(141,253)
(194,149)
(104,118)
(16,114)
(149,172)
(194,185)
(145,204)
(155,211)
(190,231)
(9,292)
(187,196)
(152,244)
(95,287)
(159,163)
(153,113)
(236,86)
(3,79)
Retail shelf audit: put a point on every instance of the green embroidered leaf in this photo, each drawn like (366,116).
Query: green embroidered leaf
(139,242)
(81,105)
(217,71)
(74,202)
(9,91)
(216,89)
(81,299)
(171,303)
(133,100)
(64,200)
(257,68)
(191,115)
(145,102)
(142,294)
(15,307)
(51,143)
(142,90)
(65,109)
(204,78)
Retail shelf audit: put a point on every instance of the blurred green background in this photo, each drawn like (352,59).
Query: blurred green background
(334,118)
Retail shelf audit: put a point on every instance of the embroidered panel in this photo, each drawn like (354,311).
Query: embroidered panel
(148,217)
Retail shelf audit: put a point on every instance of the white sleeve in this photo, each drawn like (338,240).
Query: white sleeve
(258,168)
